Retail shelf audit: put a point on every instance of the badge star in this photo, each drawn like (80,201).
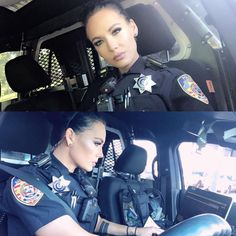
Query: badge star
(144,83)
(59,185)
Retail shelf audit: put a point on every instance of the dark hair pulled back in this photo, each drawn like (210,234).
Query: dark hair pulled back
(82,121)
(92,6)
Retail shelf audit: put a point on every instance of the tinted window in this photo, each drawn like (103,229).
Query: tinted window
(211,168)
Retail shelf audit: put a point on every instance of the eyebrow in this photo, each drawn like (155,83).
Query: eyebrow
(109,30)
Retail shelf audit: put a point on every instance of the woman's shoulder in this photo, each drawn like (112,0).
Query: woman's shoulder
(157,67)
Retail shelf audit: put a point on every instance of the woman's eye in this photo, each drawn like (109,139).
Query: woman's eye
(97,143)
(97,43)
(116,31)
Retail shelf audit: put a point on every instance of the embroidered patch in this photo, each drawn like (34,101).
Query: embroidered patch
(191,88)
(25,193)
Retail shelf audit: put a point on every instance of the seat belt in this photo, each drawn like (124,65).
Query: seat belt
(30,179)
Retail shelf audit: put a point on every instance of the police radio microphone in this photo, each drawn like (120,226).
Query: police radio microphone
(88,188)
(105,101)
(86,184)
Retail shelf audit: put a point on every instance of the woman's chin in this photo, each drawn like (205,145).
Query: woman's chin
(122,66)
(89,168)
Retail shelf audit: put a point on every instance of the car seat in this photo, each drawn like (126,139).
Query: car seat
(25,75)
(131,163)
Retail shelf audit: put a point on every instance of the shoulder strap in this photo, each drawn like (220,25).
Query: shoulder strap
(39,185)
(154,64)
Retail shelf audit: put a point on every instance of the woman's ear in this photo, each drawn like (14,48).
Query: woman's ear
(134,27)
(69,136)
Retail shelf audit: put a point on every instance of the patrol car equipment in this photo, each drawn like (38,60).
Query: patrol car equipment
(105,103)
(88,210)
(41,160)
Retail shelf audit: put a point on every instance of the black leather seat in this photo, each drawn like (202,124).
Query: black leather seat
(131,162)
(155,37)
(24,132)
(24,75)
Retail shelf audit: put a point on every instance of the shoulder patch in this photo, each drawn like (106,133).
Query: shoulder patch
(188,85)
(25,193)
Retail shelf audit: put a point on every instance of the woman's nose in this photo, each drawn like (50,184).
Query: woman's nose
(100,153)
(112,44)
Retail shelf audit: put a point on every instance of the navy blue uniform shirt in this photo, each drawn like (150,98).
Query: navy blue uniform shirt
(29,209)
(170,89)
(151,88)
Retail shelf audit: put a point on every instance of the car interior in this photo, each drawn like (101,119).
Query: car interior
(173,170)
(183,34)
(187,211)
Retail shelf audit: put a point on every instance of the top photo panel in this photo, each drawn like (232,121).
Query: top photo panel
(114,55)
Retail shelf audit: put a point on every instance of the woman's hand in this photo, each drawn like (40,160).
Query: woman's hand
(148,231)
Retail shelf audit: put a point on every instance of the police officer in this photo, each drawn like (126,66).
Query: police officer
(31,212)
(139,85)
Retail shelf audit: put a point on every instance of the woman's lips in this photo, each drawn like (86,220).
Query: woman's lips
(119,56)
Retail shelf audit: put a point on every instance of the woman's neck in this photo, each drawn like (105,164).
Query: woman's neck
(62,155)
(127,68)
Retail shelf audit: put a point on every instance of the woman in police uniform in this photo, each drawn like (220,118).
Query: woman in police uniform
(138,86)
(31,212)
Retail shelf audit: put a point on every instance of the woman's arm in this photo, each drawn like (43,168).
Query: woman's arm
(62,226)
(105,226)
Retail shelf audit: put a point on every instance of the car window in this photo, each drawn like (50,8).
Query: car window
(6,92)
(199,9)
(16,5)
(15,157)
(211,168)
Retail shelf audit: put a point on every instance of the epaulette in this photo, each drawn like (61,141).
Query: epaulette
(40,160)
(154,64)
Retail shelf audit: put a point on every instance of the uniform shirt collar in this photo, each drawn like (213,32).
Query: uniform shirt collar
(138,66)
(59,166)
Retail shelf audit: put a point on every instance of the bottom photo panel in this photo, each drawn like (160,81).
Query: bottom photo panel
(136,173)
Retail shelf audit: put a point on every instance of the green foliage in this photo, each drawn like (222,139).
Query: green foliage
(4,58)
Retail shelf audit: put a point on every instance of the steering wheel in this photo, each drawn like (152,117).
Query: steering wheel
(200,225)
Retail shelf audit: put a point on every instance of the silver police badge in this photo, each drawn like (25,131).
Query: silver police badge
(59,185)
(144,83)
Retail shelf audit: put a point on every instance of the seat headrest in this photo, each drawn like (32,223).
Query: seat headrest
(24,74)
(26,132)
(154,35)
(132,160)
